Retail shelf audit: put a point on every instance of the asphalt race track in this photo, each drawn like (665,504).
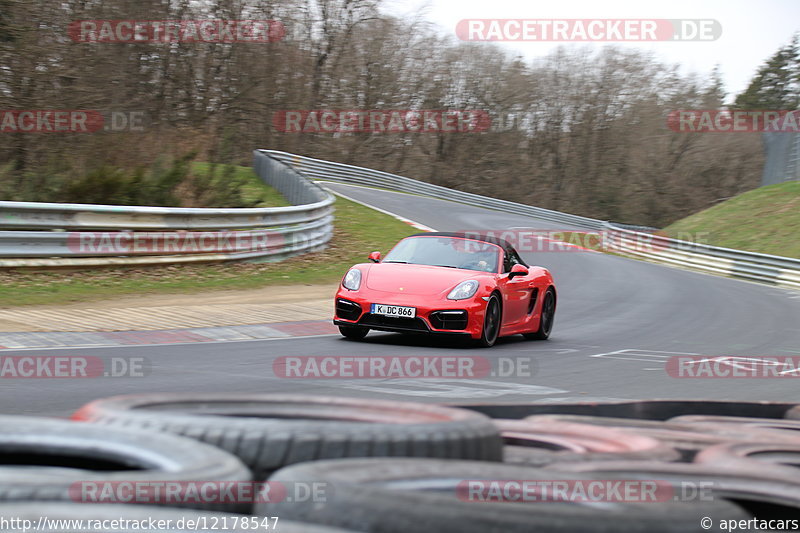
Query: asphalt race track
(618,321)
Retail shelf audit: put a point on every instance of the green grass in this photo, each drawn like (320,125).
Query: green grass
(765,220)
(254,191)
(358,231)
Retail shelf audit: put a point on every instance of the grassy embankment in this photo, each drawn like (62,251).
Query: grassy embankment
(765,220)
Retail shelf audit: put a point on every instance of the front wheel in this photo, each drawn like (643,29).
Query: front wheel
(491,322)
(355,333)
(546,321)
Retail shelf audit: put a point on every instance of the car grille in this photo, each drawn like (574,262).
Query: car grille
(412,324)
(450,319)
(347,310)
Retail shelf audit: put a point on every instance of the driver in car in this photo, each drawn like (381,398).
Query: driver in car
(481,261)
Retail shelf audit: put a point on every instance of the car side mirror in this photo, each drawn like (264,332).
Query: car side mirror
(375,257)
(518,270)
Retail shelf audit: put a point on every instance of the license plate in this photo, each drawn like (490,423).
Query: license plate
(394,310)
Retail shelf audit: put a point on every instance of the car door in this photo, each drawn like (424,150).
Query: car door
(516,292)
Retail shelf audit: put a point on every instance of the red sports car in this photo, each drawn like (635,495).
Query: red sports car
(451,284)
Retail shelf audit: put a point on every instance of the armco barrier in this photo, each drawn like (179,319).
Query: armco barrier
(307,226)
(52,235)
(317,169)
(621,238)
(764,268)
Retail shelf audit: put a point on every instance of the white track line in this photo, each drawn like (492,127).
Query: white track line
(412,223)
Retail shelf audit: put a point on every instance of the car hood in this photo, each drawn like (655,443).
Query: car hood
(417,279)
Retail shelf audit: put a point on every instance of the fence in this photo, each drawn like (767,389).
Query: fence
(782,157)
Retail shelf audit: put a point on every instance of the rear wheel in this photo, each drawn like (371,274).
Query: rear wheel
(355,333)
(491,322)
(548,315)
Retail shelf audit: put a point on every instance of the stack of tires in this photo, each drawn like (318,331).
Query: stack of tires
(318,464)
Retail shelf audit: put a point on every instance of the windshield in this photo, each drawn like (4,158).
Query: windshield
(446,252)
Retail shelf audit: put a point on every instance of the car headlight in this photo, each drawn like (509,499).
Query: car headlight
(352,280)
(464,290)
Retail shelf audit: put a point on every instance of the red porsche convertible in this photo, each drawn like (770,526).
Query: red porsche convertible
(447,283)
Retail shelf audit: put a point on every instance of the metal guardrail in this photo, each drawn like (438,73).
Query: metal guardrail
(764,268)
(637,241)
(50,234)
(318,169)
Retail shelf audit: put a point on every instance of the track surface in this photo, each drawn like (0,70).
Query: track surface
(617,321)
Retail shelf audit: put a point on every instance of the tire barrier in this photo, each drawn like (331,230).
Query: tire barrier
(268,432)
(384,467)
(400,495)
(793,413)
(540,443)
(777,460)
(750,461)
(644,410)
(741,422)
(689,439)
(52,460)
(759,494)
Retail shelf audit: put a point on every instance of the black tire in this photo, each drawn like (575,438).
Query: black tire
(268,432)
(178,519)
(401,495)
(793,413)
(61,455)
(355,333)
(689,439)
(492,322)
(761,424)
(548,316)
(545,443)
(778,423)
(775,460)
(754,491)
(639,409)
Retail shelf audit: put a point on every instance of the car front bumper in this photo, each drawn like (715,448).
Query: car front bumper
(450,317)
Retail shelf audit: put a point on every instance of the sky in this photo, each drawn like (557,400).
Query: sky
(752,31)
